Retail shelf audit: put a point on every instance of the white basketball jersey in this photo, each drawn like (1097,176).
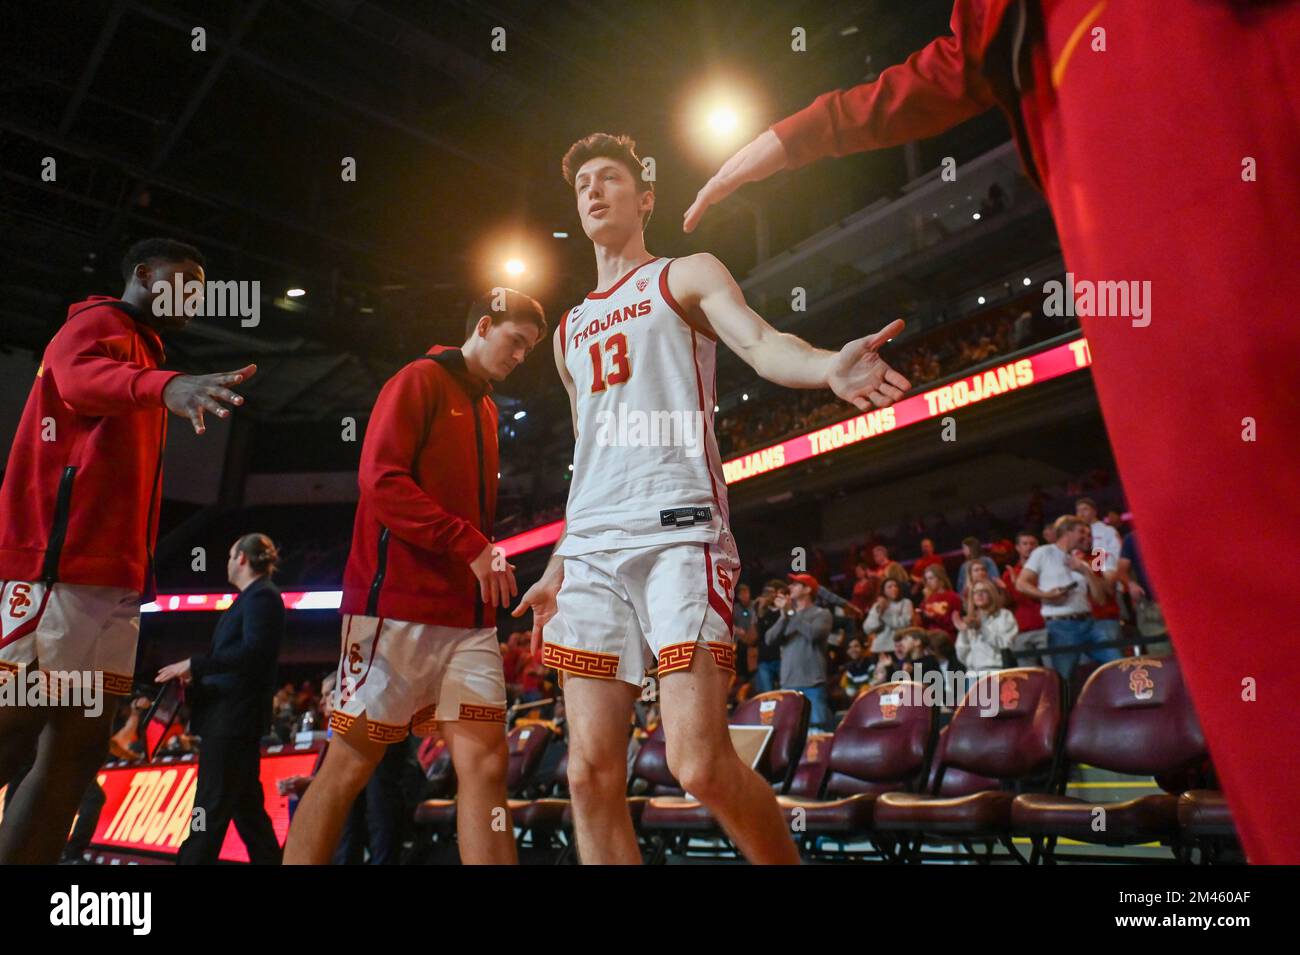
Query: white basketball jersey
(646,468)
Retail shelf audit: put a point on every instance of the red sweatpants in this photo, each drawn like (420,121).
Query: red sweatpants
(1143,149)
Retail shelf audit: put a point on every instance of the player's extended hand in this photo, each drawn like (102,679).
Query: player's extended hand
(861,377)
(541,599)
(762,157)
(191,395)
(496,576)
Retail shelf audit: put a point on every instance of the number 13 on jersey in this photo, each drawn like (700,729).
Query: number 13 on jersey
(616,347)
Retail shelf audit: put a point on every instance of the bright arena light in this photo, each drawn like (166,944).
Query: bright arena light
(719,116)
(296,292)
(723,121)
(515,266)
(1027,282)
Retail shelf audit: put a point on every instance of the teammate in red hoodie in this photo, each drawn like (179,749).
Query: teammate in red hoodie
(1164,137)
(419,635)
(78,523)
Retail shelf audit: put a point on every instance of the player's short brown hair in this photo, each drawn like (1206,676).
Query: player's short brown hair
(506,304)
(620,148)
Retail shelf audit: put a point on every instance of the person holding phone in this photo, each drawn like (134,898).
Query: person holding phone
(1063,582)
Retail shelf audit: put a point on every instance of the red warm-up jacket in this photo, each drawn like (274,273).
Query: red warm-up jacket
(83,484)
(428,479)
(1164,138)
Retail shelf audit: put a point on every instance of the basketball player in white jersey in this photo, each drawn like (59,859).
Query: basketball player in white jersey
(645,571)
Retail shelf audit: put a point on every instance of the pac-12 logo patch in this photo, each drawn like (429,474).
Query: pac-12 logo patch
(641,284)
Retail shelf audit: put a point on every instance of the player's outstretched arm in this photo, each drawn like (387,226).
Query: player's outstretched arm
(702,285)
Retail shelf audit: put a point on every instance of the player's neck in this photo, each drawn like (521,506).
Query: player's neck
(612,263)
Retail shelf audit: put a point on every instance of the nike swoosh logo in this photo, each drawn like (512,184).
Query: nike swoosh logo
(455,412)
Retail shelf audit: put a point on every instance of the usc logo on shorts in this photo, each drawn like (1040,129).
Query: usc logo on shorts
(724,580)
(354,658)
(19,600)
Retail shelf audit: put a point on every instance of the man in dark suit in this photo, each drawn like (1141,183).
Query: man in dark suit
(230,698)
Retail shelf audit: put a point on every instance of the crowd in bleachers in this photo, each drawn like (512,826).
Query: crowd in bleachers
(963,610)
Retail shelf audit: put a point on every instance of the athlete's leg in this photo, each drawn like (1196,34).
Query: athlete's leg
(483,825)
(20,728)
(599,712)
(318,821)
(693,704)
(72,747)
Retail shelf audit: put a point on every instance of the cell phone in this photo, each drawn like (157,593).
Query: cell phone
(1071,585)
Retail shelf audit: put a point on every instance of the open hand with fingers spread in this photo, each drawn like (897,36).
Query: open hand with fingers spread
(191,395)
(862,378)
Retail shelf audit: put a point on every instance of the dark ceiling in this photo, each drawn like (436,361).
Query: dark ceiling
(457,146)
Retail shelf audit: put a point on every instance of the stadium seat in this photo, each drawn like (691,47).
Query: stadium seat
(1205,822)
(526,745)
(1017,745)
(810,774)
(1134,716)
(671,819)
(543,817)
(882,745)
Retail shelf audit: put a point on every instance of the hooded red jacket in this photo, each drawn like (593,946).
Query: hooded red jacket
(428,479)
(83,484)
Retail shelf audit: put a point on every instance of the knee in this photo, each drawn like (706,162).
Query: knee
(594,779)
(700,771)
(484,766)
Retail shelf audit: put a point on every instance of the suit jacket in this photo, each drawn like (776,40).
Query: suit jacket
(232,685)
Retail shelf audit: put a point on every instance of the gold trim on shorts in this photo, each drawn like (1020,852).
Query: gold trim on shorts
(580,662)
(376,732)
(478,713)
(678,656)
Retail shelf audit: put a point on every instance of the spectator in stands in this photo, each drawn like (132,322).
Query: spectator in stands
(928,558)
(854,675)
(974,551)
(743,630)
(1063,583)
(1147,615)
(767,674)
(1131,571)
(985,630)
(532,679)
(865,587)
(1105,613)
(911,654)
(891,612)
(977,572)
(883,567)
(938,601)
(1028,611)
(1049,534)
(1104,537)
(513,654)
(800,631)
